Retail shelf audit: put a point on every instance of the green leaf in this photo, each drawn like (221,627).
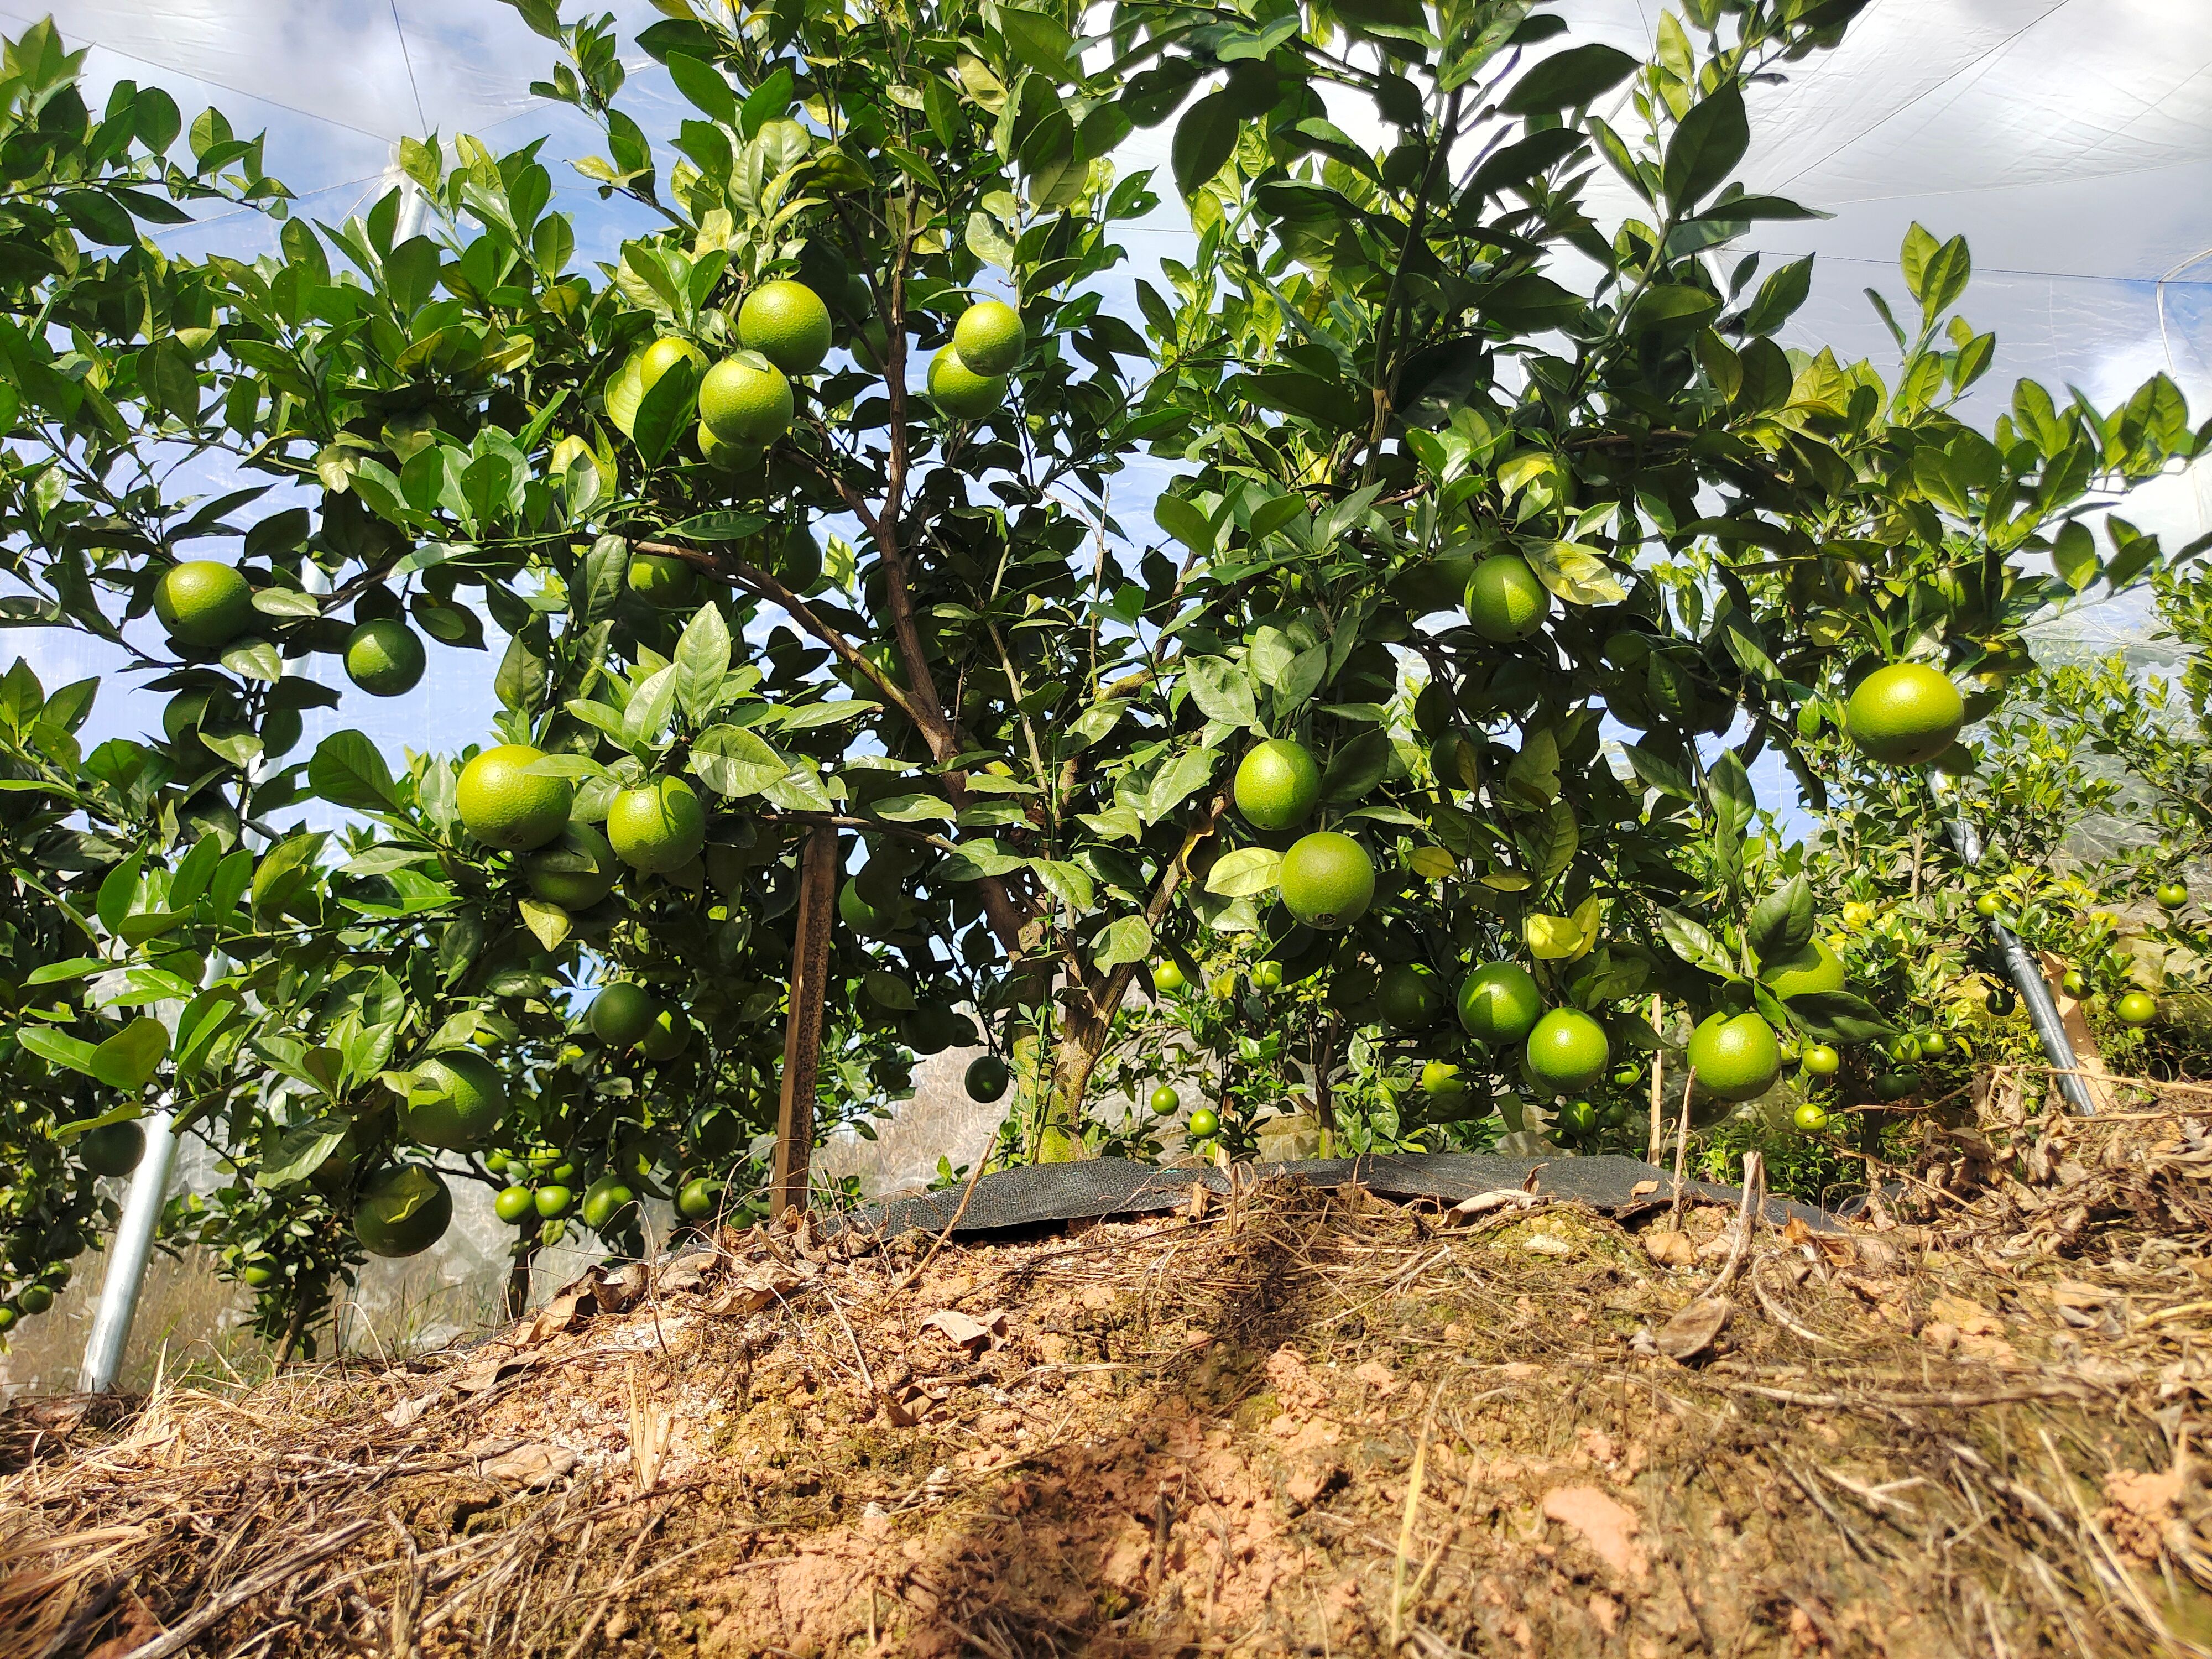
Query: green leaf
(1838,1017)
(119,892)
(1205,139)
(255,659)
(1357,767)
(1573,79)
(1172,784)
(1706,145)
(1781,924)
(703,660)
(888,988)
(1181,518)
(2074,555)
(1069,882)
(57,1047)
(170,379)
(1040,42)
(703,85)
(1779,296)
(284,868)
(299,1152)
(348,771)
(1245,872)
(129,1059)
(1125,941)
(1690,941)
(1220,690)
(733,762)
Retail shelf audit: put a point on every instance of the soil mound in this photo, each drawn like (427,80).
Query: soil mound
(1281,1419)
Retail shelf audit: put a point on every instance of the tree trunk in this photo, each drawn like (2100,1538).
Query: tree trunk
(518,1271)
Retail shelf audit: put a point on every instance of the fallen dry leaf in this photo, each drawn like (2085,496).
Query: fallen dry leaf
(1669,1247)
(489,1372)
(1498,1199)
(532,1466)
(968,1332)
(1968,1318)
(1643,1189)
(1692,1328)
(1544,1244)
(405,1412)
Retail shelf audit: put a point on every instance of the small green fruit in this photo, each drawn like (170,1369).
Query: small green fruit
(1205,1123)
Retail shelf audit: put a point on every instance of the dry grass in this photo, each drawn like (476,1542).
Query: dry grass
(1315,1423)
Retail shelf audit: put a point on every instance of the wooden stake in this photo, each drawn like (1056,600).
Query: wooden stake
(1658,1142)
(802,1031)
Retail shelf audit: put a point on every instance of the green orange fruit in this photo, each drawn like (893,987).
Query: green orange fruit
(1735,1057)
(1815,970)
(385,658)
(470,1100)
(1168,978)
(514,1205)
(575,872)
(990,337)
(604,1200)
(658,827)
(1500,1003)
(1904,714)
(959,391)
(1567,1050)
(404,1209)
(1505,599)
(34,1299)
(257,1274)
(2137,1008)
(1165,1100)
(668,1036)
(1205,1123)
(746,401)
(1821,1060)
(2172,895)
(662,581)
(698,1198)
(1441,1079)
(2000,1000)
(1267,975)
(204,603)
(1328,880)
(111,1149)
(552,1200)
(505,804)
(1410,996)
(788,323)
(1810,1118)
(663,354)
(623,1014)
(1278,785)
(987,1077)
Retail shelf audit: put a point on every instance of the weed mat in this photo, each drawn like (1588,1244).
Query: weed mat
(1302,1420)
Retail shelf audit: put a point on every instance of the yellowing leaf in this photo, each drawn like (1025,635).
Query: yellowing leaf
(1555,938)
(1432,863)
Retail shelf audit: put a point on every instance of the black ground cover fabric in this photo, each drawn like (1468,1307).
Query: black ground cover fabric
(1034,1195)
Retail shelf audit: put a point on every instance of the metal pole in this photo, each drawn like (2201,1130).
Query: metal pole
(127,1256)
(2027,975)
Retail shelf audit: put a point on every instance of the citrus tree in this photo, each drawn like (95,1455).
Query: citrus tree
(841,684)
